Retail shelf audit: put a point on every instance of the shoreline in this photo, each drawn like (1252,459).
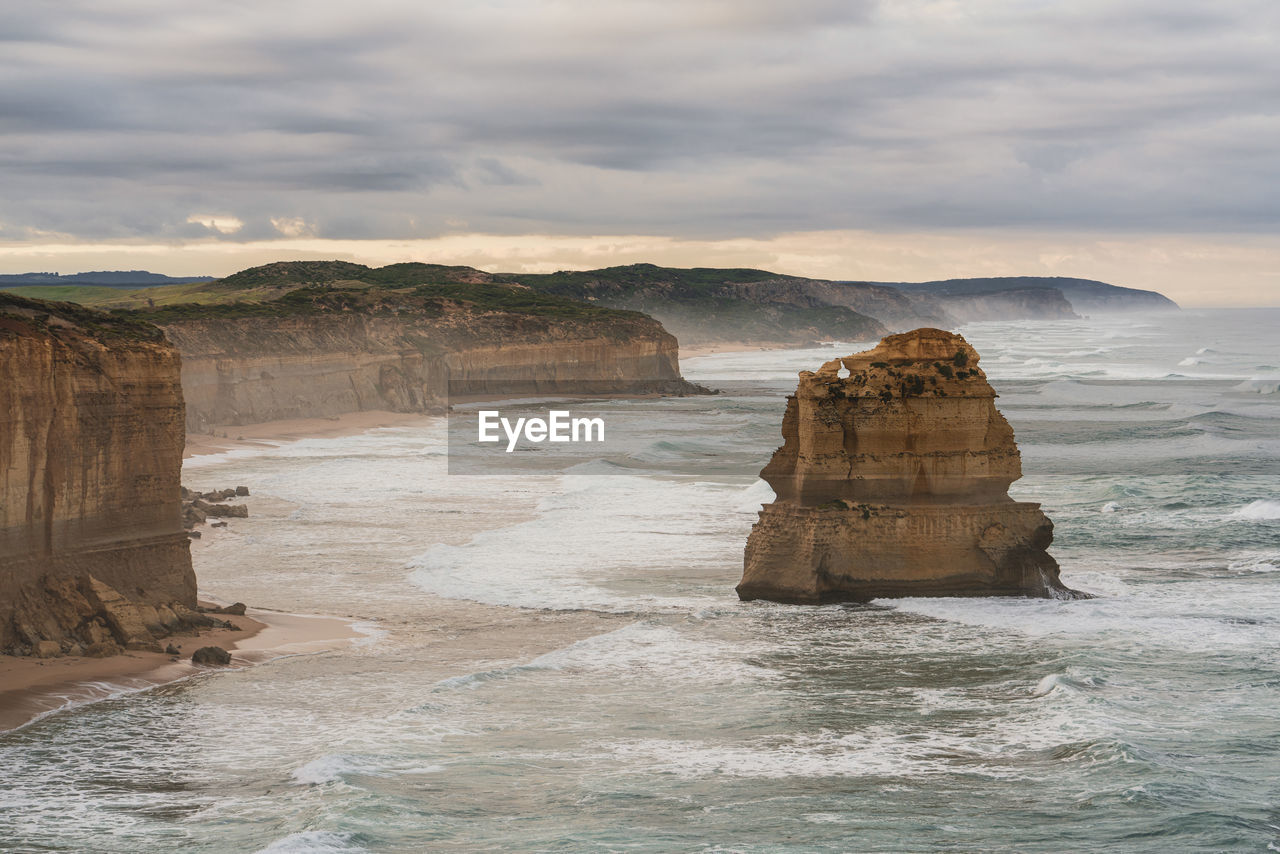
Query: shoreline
(268,434)
(222,438)
(730,347)
(36,688)
(31,689)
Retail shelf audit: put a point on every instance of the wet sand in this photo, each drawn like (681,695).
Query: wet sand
(464,634)
(729,347)
(234,437)
(31,687)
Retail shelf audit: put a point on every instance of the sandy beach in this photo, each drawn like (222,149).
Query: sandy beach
(730,347)
(230,437)
(35,687)
(237,436)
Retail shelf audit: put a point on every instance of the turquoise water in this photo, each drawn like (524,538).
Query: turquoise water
(678,719)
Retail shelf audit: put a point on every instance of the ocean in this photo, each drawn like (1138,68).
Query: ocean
(558,661)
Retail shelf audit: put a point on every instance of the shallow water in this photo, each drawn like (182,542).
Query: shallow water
(618,697)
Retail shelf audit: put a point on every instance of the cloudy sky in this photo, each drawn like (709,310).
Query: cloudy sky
(1136,141)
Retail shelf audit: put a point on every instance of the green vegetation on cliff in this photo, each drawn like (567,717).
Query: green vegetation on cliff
(703,304)
(680,283)
(698,305)
(22,316)
(1083,294)
(299,288)
(429,300)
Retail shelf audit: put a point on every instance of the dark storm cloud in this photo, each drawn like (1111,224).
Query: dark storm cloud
(707,118)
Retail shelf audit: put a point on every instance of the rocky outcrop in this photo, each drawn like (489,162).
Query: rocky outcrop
(893,480)
(93,556)
(199,507)
(211,656)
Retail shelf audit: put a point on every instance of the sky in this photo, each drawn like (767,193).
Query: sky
(1132,141)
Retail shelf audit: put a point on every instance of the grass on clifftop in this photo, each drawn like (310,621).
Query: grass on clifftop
(291,288)
(24,316)
(675,283)
(429,300)
(694,303)
(271,281)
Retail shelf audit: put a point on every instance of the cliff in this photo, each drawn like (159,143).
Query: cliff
(700,305)
(1081,295)
(343,345)
(1011,304)
(707,305)
(93,556)
(704,304)
(893,481)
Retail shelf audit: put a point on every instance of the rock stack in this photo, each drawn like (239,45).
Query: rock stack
(893,480)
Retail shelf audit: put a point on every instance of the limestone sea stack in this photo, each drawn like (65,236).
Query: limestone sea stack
(893,480)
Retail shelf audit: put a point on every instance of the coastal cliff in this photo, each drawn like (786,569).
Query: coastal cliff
(893,481)
(1010,304)
(325,343)
(267,369)
(93,555)
(700,305)
(705,305)
(1032,296)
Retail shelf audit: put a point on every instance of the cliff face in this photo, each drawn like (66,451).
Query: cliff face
(250,369)
(891,307)
(93,556)
(1012,304)
(892,481)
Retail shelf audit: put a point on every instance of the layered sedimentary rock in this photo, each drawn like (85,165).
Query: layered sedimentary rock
(893,480)
(406,352)
(93,556)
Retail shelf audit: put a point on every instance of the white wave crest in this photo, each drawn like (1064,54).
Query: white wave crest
(1260,510)
(755,495)
(1259,385)
(314,842)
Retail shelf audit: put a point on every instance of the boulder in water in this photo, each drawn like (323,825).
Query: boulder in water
(211,655)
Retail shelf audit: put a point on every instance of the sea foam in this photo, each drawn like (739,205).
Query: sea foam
(1259,385)
(314,842)
(1264,509)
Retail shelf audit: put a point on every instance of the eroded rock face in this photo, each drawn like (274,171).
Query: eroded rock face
(249,370)
(91,437)
(893,480)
